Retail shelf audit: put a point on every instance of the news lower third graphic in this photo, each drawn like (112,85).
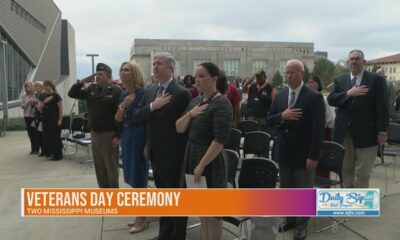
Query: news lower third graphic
(46,202)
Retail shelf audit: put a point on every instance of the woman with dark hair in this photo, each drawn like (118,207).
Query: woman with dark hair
(315,83)
(208,121)
(29,102)
(51,106)
(189,83)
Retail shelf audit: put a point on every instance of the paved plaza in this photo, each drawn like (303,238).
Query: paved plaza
(19,169)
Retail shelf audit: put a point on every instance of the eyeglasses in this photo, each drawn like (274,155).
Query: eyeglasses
(355,59)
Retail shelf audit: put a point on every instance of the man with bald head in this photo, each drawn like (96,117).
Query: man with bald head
(299,115)
(361,119)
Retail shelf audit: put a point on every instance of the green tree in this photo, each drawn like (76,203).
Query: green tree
(375,67)
(341,68)
(306,74)
(277,79)
(325,69)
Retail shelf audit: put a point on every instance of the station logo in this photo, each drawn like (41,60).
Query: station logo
(348,202)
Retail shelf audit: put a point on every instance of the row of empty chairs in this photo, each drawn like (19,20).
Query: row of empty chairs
(393,144)
(259,172)
(76,134)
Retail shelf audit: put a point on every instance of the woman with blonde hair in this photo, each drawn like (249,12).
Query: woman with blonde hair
(133,138)
(29,102)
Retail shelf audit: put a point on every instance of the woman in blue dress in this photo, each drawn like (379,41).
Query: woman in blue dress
(133,138)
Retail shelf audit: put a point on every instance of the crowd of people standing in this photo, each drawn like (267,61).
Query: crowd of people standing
(179,129)
(43,114)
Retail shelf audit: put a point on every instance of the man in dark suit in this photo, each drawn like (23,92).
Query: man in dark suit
(160,107)
(361,119)
(299,115)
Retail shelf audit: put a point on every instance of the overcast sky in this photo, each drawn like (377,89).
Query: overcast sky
(109,27)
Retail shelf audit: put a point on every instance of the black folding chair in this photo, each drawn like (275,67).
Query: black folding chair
(255,173)
(332,160)
(234,140)
(66,123)
(65,130)
(393,140)
(76,132)
(247,126)
(231,158)
(86,128)
(257,143)
(258,172)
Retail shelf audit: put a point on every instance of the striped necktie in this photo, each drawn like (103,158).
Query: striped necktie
(353,81)
(160,90)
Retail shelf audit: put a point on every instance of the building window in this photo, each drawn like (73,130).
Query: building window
(282,66)
(231,67)
(17,69)
(20,11)
(394,69)
(259,65)
(177,70)
(196,62)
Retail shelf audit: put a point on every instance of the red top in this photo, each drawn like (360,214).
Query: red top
(233,95)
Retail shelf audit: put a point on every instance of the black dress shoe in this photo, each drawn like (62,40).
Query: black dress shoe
(300,234)
(286,226)
(56,157)
(42,154)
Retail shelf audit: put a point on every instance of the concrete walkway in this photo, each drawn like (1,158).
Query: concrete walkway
(19,169)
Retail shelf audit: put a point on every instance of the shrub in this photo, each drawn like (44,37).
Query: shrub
(16,124)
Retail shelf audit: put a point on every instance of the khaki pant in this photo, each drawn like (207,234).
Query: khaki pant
(105,159)
(357,164)
(264,228)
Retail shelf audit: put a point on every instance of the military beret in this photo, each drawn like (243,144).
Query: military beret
(103,67)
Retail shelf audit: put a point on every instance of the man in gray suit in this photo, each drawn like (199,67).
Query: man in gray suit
(160,107)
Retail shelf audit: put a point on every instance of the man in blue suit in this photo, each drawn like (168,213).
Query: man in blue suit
(361,119)
(299,115)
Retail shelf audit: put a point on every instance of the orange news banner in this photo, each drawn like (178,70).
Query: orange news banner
(167,202)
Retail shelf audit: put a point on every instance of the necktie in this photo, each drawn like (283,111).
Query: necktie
(292,99)
(160,90)
(353,81)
